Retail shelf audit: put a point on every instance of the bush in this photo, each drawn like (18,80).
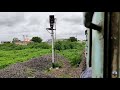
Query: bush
(58,45)
(76,60)
(11,46)
(64,45)
(36,39)
(57,65)
(42,45)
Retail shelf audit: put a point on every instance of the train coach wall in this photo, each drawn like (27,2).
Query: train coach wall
(98,46)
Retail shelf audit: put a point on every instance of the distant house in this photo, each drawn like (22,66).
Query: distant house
(23,42)
(19,42)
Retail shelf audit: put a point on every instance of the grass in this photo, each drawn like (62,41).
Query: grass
(14,56)
(73,51)
(73,55)
(11,53)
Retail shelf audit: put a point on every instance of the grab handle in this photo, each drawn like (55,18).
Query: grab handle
(88,21)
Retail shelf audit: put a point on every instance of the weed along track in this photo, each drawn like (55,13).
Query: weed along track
(39,68)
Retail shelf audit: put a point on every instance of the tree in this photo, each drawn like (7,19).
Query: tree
(36,39)
(72,39)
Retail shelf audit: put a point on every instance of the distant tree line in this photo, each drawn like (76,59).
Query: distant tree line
(34,39)
(70,43)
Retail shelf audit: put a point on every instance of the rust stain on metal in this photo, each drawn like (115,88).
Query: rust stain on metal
(114,41)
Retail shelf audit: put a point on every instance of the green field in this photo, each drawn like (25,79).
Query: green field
(11,53)
(13,56)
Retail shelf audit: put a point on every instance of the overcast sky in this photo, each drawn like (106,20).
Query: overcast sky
(17,24)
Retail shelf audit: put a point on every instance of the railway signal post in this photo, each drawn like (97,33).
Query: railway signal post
(52,22)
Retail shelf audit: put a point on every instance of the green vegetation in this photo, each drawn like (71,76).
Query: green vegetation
(41,45)
(36,39)
(74,56)
(71,50)
(13,56)
(57,65)
(11,53)
(64,45)
(11,46)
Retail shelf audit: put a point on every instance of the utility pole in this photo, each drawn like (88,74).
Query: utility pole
(52,22)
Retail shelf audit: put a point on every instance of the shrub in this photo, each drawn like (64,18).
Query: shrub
(42,45)
(76,60)
(36,39)
(58,45)
(63,45)
(57,65)
(11,46)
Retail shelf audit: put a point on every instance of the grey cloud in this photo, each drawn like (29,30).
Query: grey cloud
(74,20)
(11,19)
(34,21)
(35,24)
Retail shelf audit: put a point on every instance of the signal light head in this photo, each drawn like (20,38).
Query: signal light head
(51,19)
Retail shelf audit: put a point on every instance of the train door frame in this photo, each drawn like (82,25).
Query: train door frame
(107,45)
(115,44)
(90,48)
(93,24)
(112,31)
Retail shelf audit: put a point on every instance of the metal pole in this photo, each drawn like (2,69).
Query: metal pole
(52,19)
(55,29)
(55,57)
(52,34)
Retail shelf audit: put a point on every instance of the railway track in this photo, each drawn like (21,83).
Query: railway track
(35,68)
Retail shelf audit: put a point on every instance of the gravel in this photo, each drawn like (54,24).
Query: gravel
(14,71)
(29,69)
(38,63)
(35,68)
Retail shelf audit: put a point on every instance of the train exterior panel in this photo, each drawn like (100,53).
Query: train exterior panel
(95,46)
(98,46)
